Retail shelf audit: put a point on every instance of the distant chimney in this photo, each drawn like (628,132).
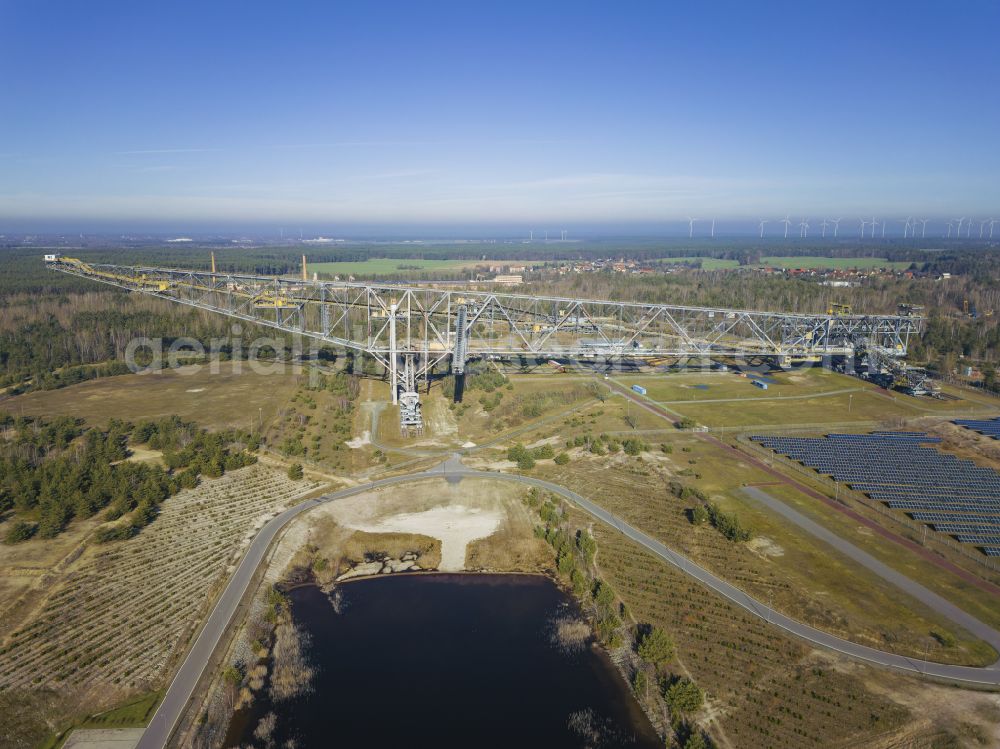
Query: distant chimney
(213,262)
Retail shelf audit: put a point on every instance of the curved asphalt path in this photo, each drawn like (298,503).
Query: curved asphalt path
(178,695)
(929,598)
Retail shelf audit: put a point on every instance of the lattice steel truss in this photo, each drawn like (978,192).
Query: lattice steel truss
(421,327)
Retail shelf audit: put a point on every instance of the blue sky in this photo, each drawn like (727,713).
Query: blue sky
(333,113)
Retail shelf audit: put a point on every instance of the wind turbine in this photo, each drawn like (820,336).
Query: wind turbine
(959,220)
(804,228)
(968,229)
(836,226)
(787,222)
(923,230)
(824,225)
(950,225)
(691,227)
(764,221)
(883,229)
(992,221)
(906,226)
(713,228)
(982,225)
(874,224)
(863,225)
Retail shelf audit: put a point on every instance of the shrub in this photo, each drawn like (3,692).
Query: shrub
(683,696)
(116,533)
(522,456)
(295,471)
(562,459)
(20,531)
(728,525)
(581,585)
(656,647)
(565,562)
(699,515)
(634,446)
(695,741)
(586,544)
(945,639)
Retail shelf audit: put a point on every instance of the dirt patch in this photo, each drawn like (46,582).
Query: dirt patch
(765,547)
(356,443)
(145,455)
(971,717)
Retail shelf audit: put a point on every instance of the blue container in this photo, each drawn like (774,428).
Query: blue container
(639,389)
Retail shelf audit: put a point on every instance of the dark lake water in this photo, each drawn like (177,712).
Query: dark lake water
(447,661)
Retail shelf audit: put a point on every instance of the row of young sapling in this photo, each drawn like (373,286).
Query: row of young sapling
(770,688)
(123,612)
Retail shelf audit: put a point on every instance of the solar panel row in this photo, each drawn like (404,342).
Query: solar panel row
(989,427)
(904,470)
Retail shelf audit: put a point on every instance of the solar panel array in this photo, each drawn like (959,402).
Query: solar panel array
(904,470)
(989,427)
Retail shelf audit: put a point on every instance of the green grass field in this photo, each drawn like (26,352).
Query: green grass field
(793,261)
(134,714)
(700,386)
(826,263)
(707,263)
(384,267)
(811,396)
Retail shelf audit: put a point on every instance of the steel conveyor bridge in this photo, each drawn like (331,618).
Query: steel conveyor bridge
(412,329)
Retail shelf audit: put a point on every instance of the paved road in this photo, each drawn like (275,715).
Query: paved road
(175,702)
(918,591)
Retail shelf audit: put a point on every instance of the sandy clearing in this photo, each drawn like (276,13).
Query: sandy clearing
(456,514)
(195,390)
(359,442)
(456,526)
(144,455)
(553,440)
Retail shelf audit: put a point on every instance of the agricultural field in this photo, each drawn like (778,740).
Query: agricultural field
(707,263)
(110,620)
(391,267)
(233,397)
(808,262)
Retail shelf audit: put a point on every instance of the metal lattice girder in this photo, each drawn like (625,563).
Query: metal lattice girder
(357,316)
